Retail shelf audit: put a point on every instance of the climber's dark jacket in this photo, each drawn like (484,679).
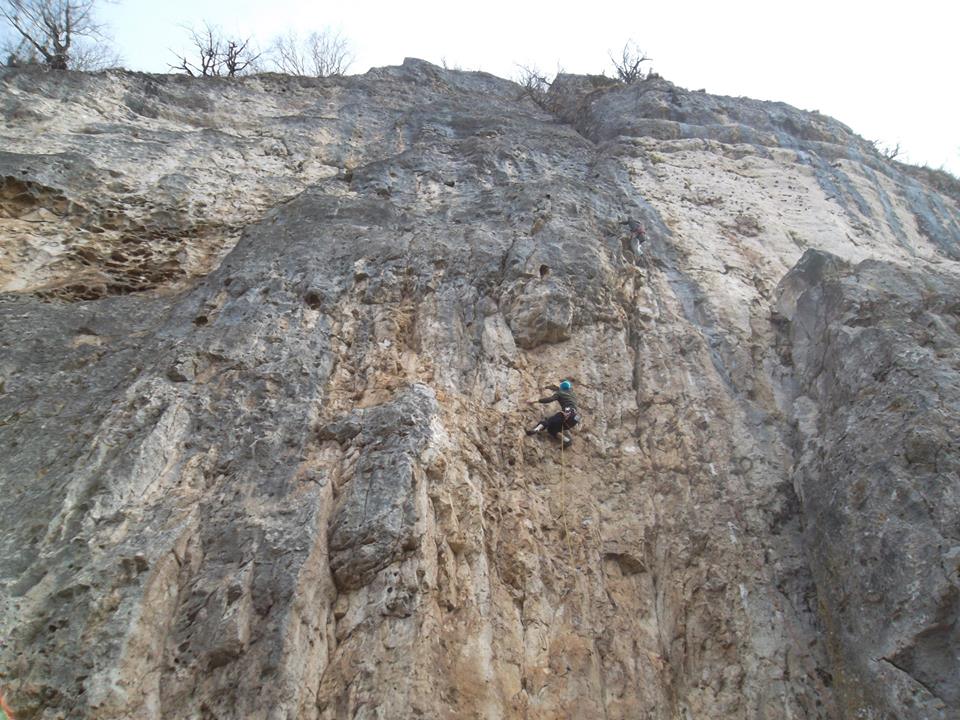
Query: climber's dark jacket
(565,397)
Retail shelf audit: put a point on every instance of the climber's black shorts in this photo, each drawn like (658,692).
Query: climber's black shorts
(555,423)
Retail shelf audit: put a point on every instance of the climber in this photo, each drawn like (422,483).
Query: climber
(639,234)
(632,242)
(564,420)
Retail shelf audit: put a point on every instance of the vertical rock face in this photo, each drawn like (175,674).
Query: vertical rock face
(875,351)
(265,347)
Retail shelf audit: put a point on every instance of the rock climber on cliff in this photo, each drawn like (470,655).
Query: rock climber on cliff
(558,424)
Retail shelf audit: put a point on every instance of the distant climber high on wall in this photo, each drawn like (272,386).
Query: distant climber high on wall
(558,424)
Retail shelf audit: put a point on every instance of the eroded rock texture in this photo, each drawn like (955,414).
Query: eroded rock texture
(264,356)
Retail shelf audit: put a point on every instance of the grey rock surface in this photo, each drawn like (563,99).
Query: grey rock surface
(265,351)
(875,352)
(375,522)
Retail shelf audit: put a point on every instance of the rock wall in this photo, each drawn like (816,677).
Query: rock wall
(874,349)
(265,352)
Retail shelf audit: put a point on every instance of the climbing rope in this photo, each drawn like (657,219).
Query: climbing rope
(5,713)
(563,495)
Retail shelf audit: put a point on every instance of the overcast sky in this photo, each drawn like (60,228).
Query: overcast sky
(888,70)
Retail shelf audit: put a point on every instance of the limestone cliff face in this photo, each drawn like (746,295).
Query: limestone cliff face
(265,347)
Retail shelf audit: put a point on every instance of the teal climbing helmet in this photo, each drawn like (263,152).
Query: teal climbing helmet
(565,385)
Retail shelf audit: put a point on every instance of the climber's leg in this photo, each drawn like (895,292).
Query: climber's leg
(554,425)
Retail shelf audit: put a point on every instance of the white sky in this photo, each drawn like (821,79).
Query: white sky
(889,70)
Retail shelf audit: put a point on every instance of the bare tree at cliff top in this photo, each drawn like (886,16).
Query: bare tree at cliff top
(320,54)
(214,55)
(628,66)
(535,84)
(50,31)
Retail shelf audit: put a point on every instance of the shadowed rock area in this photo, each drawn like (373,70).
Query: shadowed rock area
(266,345)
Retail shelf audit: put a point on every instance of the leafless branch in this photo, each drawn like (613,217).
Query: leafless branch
(90,57)
(215,56)
(536,85)
(890,152)
(628,67)
(533,83)
(49,29)
(287,55)
(320,54)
